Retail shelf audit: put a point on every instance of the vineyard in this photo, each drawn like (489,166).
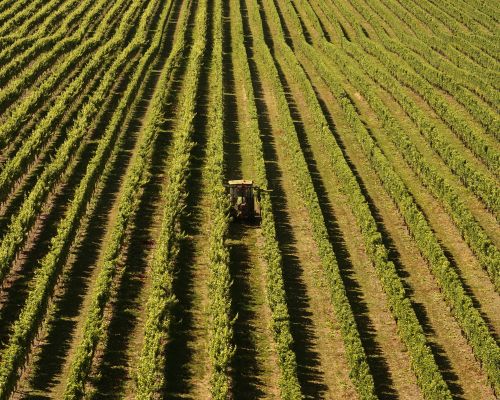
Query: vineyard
(373,270)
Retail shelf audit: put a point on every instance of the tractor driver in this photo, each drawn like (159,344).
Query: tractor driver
(241,202)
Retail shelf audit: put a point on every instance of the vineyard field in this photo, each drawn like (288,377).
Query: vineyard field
(371,130)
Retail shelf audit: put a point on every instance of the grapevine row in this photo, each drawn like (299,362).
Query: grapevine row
(464,14)
(479,111)
(151,367)
(25,50)
(276,297)
(6,4)
(475,83)
(29,25)
(469,319)
(48,20)
(359,369)
(471,230)
(18,116)
(220,326)
(455,22)
(441,46)
(22,222)
(127,205)
(482,185)
(98,170)
(12,17)
(428,376)
(467,315)
(458,42)
(469,136)
(18,164)
(477,239)
(483,7)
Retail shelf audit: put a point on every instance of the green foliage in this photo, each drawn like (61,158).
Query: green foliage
(280,324)
(481,184)
(470,136)
(468,317)
(471,322)
(21,223)
(475,236)
(220,347)
(428,376)
(13,17)
(359,369)
(161,297)
(57,46)
(33,312)
(448,82)
(127,205)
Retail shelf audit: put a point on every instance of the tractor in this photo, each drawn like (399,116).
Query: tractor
(244,198)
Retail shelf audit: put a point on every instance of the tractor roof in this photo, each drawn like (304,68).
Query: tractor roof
(241,182)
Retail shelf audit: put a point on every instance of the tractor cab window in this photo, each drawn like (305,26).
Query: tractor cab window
(240,191)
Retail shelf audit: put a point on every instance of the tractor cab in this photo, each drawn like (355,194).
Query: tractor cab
(244,198)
